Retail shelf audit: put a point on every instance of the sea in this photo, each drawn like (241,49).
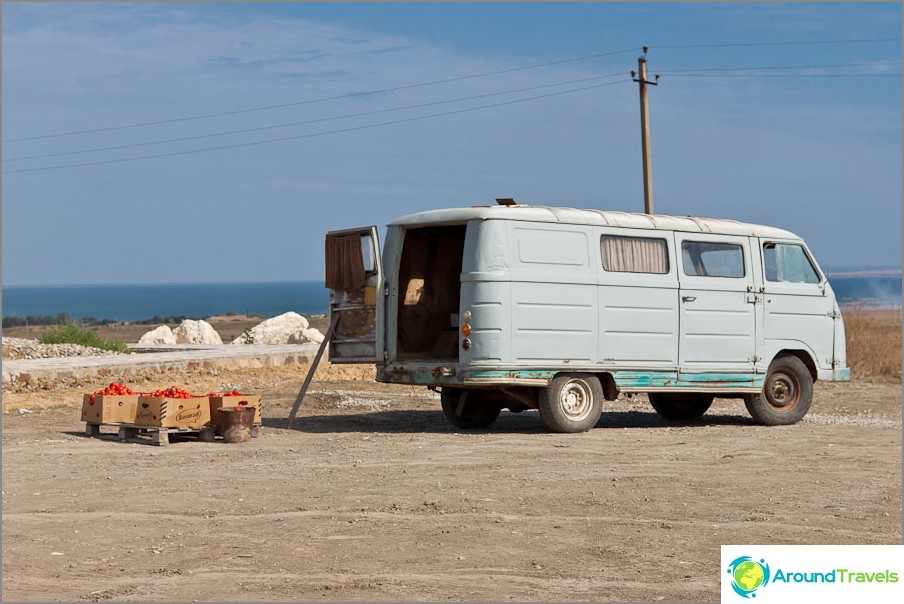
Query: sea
(142,302)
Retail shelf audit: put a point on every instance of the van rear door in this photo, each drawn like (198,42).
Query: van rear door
(354,276)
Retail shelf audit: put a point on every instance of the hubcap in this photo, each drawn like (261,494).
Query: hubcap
(782,391)
(576,400)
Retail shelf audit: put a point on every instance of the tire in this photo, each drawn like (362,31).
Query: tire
(465,409)
(572,402)
(787,393)
(681,407)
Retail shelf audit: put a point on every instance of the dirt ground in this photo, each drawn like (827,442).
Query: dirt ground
(374,496)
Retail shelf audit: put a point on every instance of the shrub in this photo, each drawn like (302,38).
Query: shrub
(873,342)
(71,333)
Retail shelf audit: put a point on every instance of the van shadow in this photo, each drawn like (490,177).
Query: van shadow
(527,422)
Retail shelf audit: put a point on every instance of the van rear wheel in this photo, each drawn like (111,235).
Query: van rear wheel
(786,396)
(681,407)
(572,402)
(465,409)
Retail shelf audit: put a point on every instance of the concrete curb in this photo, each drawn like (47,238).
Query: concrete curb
(178,356)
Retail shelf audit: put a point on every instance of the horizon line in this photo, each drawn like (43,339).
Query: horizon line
(36,285)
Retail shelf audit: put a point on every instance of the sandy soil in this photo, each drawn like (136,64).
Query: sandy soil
(373,496)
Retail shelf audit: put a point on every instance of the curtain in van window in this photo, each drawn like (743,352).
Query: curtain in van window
(344,263)
(634,254)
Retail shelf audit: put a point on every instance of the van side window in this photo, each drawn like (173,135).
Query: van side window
(634,254)
(788,263)
(706,259)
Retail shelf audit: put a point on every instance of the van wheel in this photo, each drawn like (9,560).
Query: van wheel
(572,402)
(465,409)
(787,393)
(681,407)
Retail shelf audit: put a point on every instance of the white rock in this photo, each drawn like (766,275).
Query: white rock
(277,330)
(159,335)
(196,332)
(306,336)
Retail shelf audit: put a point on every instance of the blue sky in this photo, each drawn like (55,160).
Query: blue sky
(820,156)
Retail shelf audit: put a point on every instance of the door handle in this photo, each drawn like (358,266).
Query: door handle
(688,298)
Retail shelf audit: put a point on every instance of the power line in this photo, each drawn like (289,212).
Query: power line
(315,134)
(306,122)
(779,67)
(441,81)
(673,72)
(322,99)
(795,43)
(787,75)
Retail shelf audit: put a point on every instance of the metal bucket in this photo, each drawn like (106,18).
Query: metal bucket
(236,423)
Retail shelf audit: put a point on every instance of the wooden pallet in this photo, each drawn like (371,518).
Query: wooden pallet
(160,436)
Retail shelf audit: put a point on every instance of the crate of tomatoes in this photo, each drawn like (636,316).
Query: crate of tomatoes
(116,403)
(234,398)
(173,408)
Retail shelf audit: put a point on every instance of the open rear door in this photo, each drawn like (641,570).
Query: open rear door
(354,276)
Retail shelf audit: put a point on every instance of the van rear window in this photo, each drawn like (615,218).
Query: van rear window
(710,259)
(634,254)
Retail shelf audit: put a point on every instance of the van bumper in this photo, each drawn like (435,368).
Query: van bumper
(834,375)
(453,375)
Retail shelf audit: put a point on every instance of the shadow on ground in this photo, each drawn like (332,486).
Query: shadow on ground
(528,422)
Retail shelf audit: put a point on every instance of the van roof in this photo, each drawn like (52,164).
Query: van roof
(529,213)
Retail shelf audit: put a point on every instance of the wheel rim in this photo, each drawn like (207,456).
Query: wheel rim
(576,400)
(782,390)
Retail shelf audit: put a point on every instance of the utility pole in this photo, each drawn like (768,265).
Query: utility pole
(645,128)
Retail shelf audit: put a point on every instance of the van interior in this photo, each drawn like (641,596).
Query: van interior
(429,292)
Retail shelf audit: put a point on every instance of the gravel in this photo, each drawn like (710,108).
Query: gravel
(20,348)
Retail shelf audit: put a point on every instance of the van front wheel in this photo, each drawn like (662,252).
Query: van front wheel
(681,407)
(786,396)
(465,409)
(571,403)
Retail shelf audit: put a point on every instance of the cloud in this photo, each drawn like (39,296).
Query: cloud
(723,148)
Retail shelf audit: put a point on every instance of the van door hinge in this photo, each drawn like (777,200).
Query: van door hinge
(834,314)
(755,359)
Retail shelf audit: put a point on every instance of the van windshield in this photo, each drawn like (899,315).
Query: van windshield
(788,263)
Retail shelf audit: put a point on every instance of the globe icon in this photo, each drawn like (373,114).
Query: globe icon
(748,575)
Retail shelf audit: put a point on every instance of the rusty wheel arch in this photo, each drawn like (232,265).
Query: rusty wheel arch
(610,388)
(804,357)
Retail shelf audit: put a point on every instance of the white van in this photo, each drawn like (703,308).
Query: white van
(556,309)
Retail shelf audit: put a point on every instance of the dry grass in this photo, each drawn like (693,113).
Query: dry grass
(873,342)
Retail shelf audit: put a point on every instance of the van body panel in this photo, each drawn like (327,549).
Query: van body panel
(491,320)
(540,301)
(717,318)
(638,312)
(664,381)
(544,214)
(799,311)
(553,295)
(841,372)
